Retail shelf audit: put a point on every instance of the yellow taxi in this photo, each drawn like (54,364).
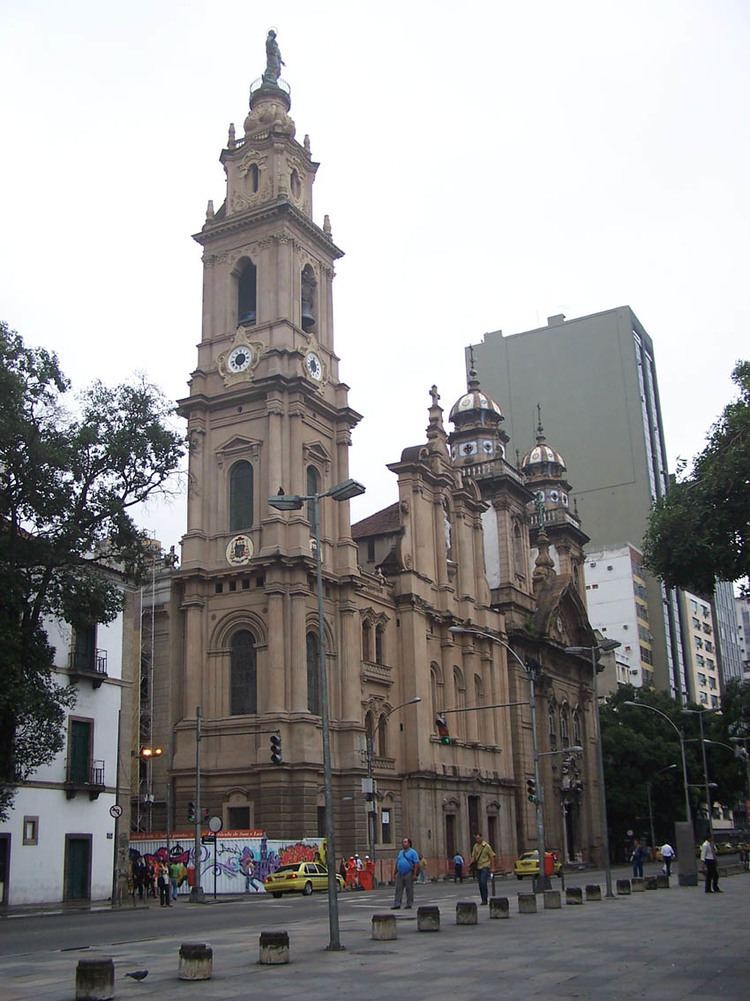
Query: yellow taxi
(299,877)
(527,864)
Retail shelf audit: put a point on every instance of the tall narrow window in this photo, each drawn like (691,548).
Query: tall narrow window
(313,674)
(84,649)
(552,726)
(253,176)
(565,725)
(240,496)
(366,641)
(79,756)
(459,694)
(308,296)
(577,727)
(243,696)
(383,736)
(313,487)
(379,634)
(247,295)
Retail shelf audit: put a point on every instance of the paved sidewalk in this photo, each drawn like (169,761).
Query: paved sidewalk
(662,945)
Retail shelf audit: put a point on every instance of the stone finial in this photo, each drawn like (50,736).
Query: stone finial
(327,225)
(435,428)
(544,566)
(231,141)
(306,144)
(210,210)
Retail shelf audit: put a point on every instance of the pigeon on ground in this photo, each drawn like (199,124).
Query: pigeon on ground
(138,974)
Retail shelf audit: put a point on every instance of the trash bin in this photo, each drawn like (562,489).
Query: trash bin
(191,876)
(549,863)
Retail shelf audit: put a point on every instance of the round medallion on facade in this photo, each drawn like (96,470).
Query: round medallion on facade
(240,358)
(239,550)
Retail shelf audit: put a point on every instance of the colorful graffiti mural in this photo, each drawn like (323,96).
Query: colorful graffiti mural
(242,861)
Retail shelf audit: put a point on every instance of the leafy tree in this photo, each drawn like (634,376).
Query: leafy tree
(699,531)
(638,747)
(68,482)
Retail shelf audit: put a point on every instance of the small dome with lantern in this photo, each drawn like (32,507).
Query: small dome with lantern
(544,470)
(478,436)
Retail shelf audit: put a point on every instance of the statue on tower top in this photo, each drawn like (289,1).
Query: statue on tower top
(274,62)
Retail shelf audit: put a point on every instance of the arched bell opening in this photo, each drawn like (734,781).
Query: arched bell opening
(309,298)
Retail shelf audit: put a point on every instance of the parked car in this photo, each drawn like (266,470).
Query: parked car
(527,864)
(300,877)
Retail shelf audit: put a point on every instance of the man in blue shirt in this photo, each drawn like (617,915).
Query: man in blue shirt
(407,865)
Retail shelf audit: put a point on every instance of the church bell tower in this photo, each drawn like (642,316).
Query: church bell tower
(267,413)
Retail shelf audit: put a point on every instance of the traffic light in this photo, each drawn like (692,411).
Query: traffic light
(531,790)
(442,729)
(191,812)
(276,749)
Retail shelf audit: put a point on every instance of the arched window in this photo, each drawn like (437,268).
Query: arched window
(459,694)
(313,487)
(565,725)
(518,552)
(379,634)
(577,728)
(383,736)
(481,717)
(253,176)
(247,295)
(435,690)
(366,641)
(308,296)
(243,694)
(313,674)
(552,725)
(240,496)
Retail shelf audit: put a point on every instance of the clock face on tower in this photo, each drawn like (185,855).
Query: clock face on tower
(239,358)
(313,366)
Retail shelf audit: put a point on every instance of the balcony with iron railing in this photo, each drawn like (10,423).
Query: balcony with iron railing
(89,664)
(84,778)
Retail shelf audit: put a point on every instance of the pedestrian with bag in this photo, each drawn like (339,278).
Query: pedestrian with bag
(667,855)
(638,857)
(482,855)
(405,872)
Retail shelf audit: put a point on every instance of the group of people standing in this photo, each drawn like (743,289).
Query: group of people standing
(410,866)
(152,878)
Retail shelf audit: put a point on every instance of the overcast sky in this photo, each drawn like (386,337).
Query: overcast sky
(484,164)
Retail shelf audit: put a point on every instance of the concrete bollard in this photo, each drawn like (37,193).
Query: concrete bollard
(593,891)
(552,900)
(428,918)
(623,887)
(574,895)
(274,948)
(651,883)
(384,927)
(662,881)
(637,884)
(196,961)
(499,907)
(466,913)
(527,903)
(95,979)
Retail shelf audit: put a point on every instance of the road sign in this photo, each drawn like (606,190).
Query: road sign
(208,839)
(115,811)
(215,825)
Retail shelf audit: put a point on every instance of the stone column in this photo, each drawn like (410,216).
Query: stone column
(274,688)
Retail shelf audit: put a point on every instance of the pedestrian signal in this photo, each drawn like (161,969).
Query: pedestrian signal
(531,790)
(276,749)
(191,812)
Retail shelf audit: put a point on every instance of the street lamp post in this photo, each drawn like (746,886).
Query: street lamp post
(709,803)
(681,737)
(369,754)
(648,797)
(294,502)
(605,646)
(532,670)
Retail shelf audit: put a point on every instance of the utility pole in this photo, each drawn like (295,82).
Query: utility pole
(196,893)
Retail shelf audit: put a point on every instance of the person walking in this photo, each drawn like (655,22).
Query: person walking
(405,870)
(482,855)
(638,857)
(708,858)
(667,854)
(162,881)
(458,868)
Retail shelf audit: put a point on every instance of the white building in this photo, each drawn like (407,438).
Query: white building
(58,843)
(699,646)
(617,604)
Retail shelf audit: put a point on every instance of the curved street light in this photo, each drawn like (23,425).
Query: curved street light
(532,670)
(595,652)
(681,737)
(294,502)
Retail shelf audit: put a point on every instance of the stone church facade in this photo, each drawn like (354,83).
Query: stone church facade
(472,542)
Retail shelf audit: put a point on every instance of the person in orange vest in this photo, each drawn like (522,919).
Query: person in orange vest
(351,874)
